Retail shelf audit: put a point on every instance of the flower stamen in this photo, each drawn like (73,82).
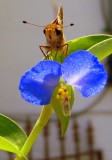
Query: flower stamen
(63,96)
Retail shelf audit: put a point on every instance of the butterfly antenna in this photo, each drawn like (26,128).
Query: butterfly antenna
(32,24)
(71,24)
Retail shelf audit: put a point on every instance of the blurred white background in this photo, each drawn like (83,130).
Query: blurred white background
(19,51)
(19,43)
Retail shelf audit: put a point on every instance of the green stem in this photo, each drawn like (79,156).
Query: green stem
(40,124)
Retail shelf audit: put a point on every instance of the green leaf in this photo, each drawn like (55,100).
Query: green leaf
(81,43)
(86,42)
(8,146)
(102,49)
(12,137)
(58,107)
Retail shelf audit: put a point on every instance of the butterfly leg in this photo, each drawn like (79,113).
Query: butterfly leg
(63,48)
(45,47)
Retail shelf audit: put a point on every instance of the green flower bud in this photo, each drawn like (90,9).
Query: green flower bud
(62,102)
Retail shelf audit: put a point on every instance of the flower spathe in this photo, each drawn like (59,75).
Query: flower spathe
(81,70)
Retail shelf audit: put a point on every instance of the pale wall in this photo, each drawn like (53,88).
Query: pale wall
(19,43)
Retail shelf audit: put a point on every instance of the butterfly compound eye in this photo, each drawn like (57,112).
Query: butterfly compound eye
(58,32)
(44,31)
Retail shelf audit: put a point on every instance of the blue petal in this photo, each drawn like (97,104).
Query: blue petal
(37,84)
(82,70)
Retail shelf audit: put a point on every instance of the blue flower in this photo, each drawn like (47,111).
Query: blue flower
(81,70)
